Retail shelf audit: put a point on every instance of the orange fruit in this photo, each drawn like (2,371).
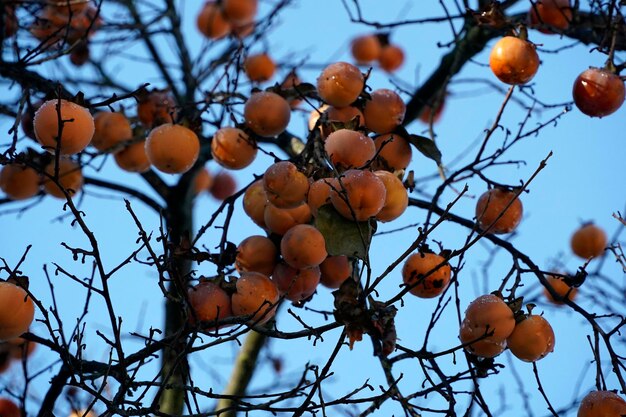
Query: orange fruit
(254,203)
(208,302)
(133,158)
(532,339)
(602,404)
(340,84)
(335,270)
(394,152)
(365,48)
(17,311)
(202,182)
(156,108)
(296,284)
(285,186)
(396,197)
(240,11)
(514,60)
(589,241)
(319,193)
(9,409)
(224,186)
(491,206)
(172,149)
(489,319)
(256,254)
(391,58)
(349,149)
(550,14)
(19,182)
(303,246)
(232,148)
(598,92)
(267,113)
(360,196)
(211,21)
(280,220)
(384,112)
(415,270)
(70,178)
(78,126)
(256,294)
(561,288)
(110,130)
(259,67)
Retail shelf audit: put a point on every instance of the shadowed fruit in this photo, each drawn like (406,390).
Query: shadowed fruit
(224,185)
(361,197)
(133,158)
(70,178)
(19,182)
(547,14)
(240,11)
(259,67)
(340,84)
(598,92)
(303,246)
(419,269)
(9,409)
(267,113)
(491,320)
(202,182)
(319,193)
(211,21)
(254,202)
(513,60)
(589,241)
(77,122)
(334,115)
(561,288)
(396,153)
(396,197)
(532,339)
(279,220)
(384,112)
(492,204)
(365,48)
(349,149)
(256,254)
(110,130)
(17,311)
(172,149)
(391,58)
(284,185)
(296,284)
(156,108)
(256,294)
(335,270)
(208,302)
(602,404)
(232,148)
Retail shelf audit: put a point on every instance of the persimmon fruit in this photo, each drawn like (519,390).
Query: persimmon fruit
(362,195)
(280,220)
(133,158)
(349,149)
(256,294)
(208,302)
(284,185)
(391,58)
(9,409)
(254,202)
(488,322)
(340,84)
(396,197)
(19,182)
(492,205)
(365,48)
(419,269)
(303,246)
(259,67)
(256,254)
(70,178)
(547,15)
(561,288)
(267,114)
(296,284)
(588,241)
(384,112)
(598,92)
(232,148)
(111,128)
(240,11)
(513,60)
(77,126)
(17,311)
(602,404)
(172,149)
(335,270)
(393,152)
(532,339)
(224,186)
(212,22)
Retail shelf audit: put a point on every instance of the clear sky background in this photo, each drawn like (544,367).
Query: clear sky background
(584,180)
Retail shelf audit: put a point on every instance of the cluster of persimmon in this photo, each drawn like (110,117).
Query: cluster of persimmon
(490,326)
(367,49)
(597,92)
(217,20)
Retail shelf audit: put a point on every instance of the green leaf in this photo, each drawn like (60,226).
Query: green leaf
(426,147)
(343,236)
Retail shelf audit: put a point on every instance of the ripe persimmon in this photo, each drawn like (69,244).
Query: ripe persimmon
(340,84)
(391,58)
(365,48)
(212,22)
(267,113)
(319,193)
(110,130)
(254,202)
(259,67)
(303,246)
(133,157)
(335,270)
(514,60)
(561,288)
(77,126)
(256,294)
(589,241)
(172,149)
(280,220)
(232,148)
(202,181)
(432,112)
(70,178)
(240,11)
(285,186)
(335,115)
(547,15)
(602,404)
(394,152)
(256,254)
(156,108)
(396,197)
(296,284)
(360,196)
(224,185)
(349,149)
(208,302)
(19,182)
(532,339)
(489,319)
(17,311)
(384,112)
(419,269)
(9,409)
(491,206)
(598,92)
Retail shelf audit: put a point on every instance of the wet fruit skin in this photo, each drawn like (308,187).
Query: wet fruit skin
(349,149)
(415,269)
(491,204)
(340,84)
(17,311)
(514,61)
(208,302)
(532,339)
(487,315)
(254,202)
(256,294)
(78,126)
(232,148)
(285,186)
(110,130)
(365,194)
(598,92)
(602,404)
(133,158)
(19,182)
(280,220)
(384,112)
(556,14)
(589,241)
